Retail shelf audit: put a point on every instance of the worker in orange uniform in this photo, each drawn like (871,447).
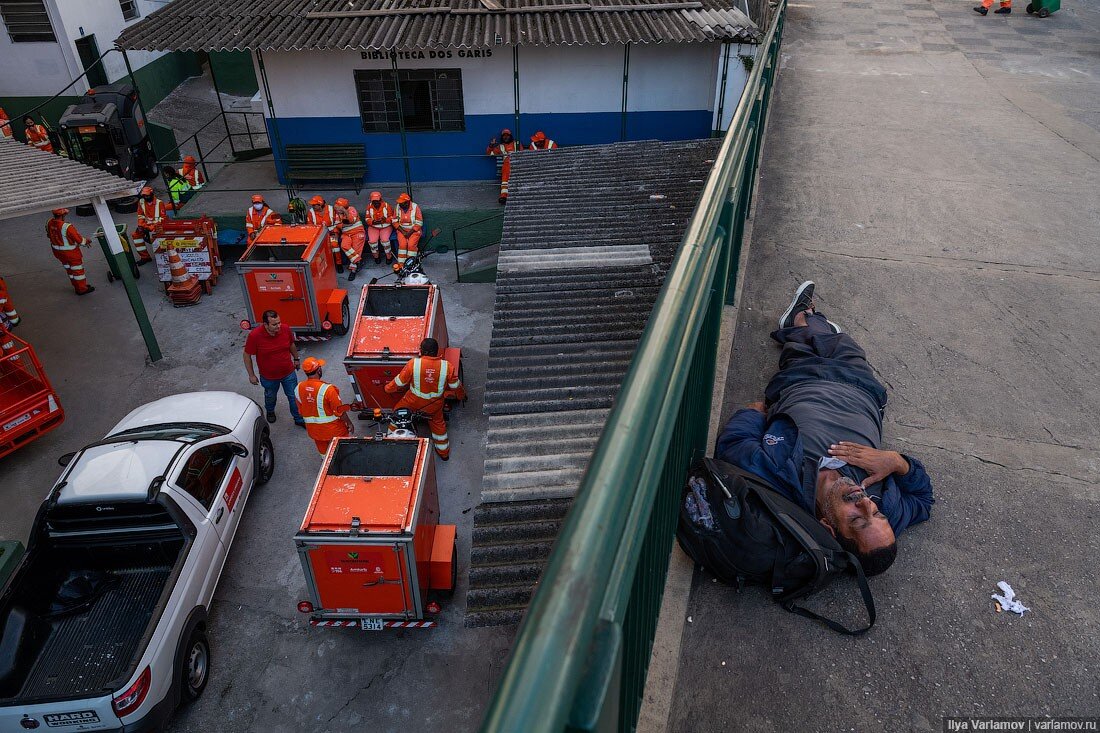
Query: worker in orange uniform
(539,141)
(7,341)
(503,151)
(191,173)
(7,307)
(259,216)
(408,221)
(322,214)
(320,405)
(150,212)
(379,227)
(66,242)
(5,123)
(37,136)
(353,237)
(1005,9)
(430,380)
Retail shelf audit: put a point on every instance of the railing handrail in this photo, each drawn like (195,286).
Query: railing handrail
(587,575)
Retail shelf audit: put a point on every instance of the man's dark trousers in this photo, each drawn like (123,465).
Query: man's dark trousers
(814,352)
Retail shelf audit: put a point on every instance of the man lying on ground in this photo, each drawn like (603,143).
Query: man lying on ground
(817,439)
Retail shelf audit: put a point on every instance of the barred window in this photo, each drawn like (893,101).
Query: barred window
(26,20)
(431,99)
(129,9)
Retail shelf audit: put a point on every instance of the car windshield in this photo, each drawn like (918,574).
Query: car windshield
(184,432)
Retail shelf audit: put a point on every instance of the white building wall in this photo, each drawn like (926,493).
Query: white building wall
(552,79)
(43,69)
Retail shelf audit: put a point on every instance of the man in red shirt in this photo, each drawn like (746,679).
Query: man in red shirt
(272,344)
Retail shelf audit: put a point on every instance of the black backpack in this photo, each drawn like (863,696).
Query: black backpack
(741,530)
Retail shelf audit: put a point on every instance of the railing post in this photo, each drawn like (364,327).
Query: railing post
(225,120)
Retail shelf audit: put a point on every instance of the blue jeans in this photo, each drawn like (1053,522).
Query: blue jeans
(271,393)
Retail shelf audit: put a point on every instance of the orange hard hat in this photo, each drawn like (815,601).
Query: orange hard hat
(312,364)
(505,131)
(189,159)
(147,191)
(257,199)
(538,137)
(316,201)
(60,212)
(341,202)
(403,198)
(375,195)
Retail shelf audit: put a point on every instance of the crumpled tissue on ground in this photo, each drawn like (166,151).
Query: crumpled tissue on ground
(1008,601)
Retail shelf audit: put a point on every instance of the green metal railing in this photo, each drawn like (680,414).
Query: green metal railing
(580,659)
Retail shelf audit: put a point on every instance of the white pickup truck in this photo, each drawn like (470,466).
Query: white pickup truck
(102,625)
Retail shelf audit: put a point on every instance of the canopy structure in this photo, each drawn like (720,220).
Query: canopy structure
(406,25)
(33,181)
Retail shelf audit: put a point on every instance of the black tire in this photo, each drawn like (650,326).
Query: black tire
(1044,13)
(124,205)
(265,459)
(1029,9)
(110,277)
(194,667)
(85,210)
(135,272)
(345,314)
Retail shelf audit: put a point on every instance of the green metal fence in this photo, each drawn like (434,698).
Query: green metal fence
(580,659)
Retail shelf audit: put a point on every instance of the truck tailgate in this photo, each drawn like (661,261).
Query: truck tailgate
(71,715)
(86,652)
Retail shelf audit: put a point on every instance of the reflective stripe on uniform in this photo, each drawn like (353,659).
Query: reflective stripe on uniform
(65,246)
(415,388)
(322,417)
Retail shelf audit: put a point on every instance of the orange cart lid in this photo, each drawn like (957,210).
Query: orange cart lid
(394,318)
(378,481)
(292,233)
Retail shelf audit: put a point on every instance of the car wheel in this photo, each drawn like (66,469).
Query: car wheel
(345,318)
(196,667)
(265,459)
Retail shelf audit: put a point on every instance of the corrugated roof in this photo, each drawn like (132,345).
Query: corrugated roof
(32,181)
(311,25)
(589,235)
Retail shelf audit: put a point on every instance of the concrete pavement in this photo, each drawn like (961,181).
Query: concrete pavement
(936,172)
(270,671)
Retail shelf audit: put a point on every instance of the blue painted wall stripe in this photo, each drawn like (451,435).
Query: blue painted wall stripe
(468,146)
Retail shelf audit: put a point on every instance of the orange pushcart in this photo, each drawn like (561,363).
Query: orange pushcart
(372,549)
(289,269)
(28,404)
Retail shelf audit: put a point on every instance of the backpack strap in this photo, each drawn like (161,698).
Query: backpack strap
(868,602)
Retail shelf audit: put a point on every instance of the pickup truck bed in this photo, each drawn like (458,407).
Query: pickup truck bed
(89,651)
(46,654)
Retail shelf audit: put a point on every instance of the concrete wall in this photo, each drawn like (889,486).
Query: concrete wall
(574,93)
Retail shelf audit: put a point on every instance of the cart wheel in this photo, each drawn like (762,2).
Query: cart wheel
(206,287)
(1044,12)
(134,271)
(1029,9)
(364,415)
(110,277)
(345,316)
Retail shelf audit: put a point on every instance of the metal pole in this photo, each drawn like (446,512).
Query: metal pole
(277,142)
(214,79)
(515,89)
(202,159)
(722,88)
(114,244)
(401,122)
(626,86)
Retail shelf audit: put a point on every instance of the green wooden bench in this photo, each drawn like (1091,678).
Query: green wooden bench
(331,162)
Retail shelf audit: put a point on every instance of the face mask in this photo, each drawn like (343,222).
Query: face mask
(257,207)
(147,199)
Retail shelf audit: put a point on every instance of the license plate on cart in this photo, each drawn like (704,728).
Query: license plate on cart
(372,624)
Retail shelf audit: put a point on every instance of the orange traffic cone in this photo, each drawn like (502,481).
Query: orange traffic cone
(185,288)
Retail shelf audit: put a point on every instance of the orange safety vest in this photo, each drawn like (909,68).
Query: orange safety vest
(351,221)
(550,145)
(254,220)
(428,377)
(382,213)
(63,236)
(39,138)
(5,123)
(321,409)
(326,219)
(150,214)
(409,219)
(193,175)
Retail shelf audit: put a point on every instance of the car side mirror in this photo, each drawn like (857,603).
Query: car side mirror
(66,459)
(442,249)
(238,450)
